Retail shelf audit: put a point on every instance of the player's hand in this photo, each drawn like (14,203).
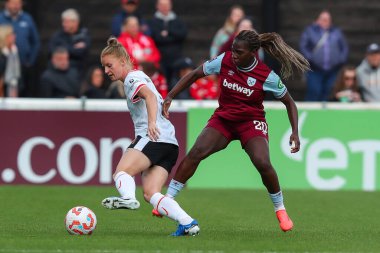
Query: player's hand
(165,107)
(294,143)
(153,132)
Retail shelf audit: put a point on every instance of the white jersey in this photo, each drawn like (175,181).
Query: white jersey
(134,81)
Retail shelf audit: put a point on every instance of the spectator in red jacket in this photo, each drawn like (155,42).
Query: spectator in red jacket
(204,88)
(157,77)
(140,47)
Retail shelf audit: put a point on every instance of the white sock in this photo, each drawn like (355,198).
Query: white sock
(170,208)
(126,185)
(278,201)
(174,188)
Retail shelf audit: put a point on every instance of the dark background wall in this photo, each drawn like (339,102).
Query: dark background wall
(359,20)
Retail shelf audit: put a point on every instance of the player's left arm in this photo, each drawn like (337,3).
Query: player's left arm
(274,84)
(151,106)
(292,110)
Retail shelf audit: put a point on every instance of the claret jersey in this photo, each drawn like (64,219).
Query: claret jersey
(134,81)
(243,89)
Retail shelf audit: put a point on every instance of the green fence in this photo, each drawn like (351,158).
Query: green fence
(340,150)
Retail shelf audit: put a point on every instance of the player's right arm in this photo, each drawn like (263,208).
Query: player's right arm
(208,68)
(182,84)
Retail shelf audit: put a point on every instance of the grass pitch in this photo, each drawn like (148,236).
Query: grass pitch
(32,220)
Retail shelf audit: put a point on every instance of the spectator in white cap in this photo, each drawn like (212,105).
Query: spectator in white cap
(73,37)
(368,74)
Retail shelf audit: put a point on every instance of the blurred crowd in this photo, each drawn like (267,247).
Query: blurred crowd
(155,46)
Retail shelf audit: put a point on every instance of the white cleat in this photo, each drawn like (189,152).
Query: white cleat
(119,203)
(193,231)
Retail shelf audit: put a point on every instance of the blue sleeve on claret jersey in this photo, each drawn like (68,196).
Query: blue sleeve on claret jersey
(213,66)
(274,85)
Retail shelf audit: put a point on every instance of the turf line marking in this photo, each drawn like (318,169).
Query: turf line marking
(148,251)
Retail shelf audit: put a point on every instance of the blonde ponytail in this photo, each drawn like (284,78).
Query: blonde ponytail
(116,49)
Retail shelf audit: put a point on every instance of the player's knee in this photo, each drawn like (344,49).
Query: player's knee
(127,169)
(197,153)
(263,165)
(117,173)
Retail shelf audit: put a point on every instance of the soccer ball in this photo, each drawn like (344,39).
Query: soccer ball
(80,220)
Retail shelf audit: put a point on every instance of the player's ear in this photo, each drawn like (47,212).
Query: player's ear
(123,62)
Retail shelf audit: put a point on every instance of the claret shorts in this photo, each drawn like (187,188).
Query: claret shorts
(243,131)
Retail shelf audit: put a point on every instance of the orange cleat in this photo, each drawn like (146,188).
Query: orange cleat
(286,223)
(156,213)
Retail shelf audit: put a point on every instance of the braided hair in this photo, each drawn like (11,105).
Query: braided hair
(274,45)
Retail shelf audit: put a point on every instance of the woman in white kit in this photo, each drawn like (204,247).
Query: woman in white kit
(153,152)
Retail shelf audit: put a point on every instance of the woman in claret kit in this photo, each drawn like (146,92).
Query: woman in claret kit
(244,79)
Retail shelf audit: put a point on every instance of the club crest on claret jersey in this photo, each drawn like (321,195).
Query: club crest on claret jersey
(251,81)
(280,84)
